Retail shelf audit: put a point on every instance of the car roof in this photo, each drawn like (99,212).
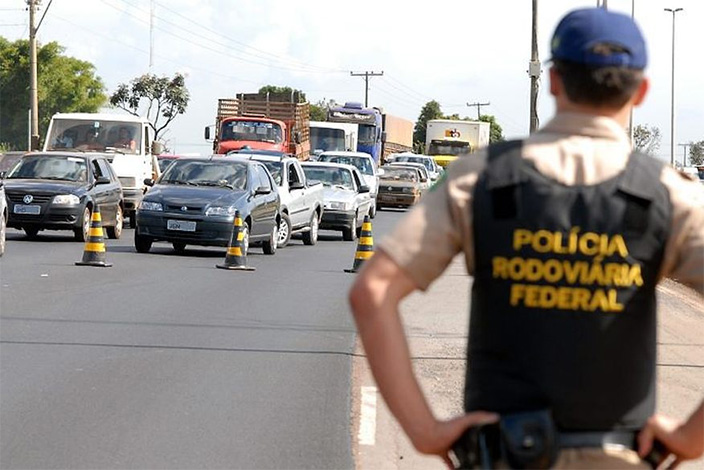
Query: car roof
(269,158)
(409,164)
(64,154)
(345,153)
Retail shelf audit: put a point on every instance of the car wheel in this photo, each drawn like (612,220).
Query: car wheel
(133,219)
(115,231)
(179,247)
(311,237)
(372,209)
(3,230)
(142,244)
(284,231)
(349,234)
(270,245)
(82,232)
(31,232)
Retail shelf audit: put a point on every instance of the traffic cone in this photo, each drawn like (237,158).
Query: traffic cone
(365,247)
(236,259)
(94,251)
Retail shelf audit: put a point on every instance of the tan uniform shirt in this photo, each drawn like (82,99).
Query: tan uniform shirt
(572,149)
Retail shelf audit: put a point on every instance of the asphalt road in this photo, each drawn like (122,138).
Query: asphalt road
(164,361)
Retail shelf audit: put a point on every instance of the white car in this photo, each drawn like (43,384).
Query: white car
(434,170)
(364,163)
(3,218)
(425,180)
(346,197)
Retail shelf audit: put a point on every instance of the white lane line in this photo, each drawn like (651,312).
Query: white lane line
(367,417)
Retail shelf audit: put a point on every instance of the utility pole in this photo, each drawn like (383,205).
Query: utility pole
(672,104)
(534,71)
(366,76)
(151,35)
(478,105)
(684,154)
(33,104)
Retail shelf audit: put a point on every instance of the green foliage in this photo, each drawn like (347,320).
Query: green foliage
(284,91)
(64,84)
(319,110)
(160,99)
(696,153)
(431,110)
(646,139)
(496,133)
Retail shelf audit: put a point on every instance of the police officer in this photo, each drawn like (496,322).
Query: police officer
(567,234)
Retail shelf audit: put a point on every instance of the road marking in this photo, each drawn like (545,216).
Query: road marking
(367,417)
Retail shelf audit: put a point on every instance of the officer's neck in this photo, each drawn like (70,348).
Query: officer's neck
(620,115)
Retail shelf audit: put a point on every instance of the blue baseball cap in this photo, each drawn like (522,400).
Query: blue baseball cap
(581,33)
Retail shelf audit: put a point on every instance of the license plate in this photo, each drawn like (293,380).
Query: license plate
(25,209)
(181,225)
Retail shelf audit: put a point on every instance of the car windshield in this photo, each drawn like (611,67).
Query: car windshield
(326,139)
(253,131)
(329,176)
(399,174)
(424,161)
(50,167)
(367,134)
(363,164)
(164,163)
(94,135)
(275,170)
(231,175)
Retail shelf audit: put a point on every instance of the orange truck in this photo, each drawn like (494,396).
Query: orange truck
(270,122)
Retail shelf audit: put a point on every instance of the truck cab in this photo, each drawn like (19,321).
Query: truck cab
(126,141)
(236,133)
(370,123)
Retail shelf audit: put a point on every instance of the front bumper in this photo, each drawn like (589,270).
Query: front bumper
(50,217)
(336,220)
(397,199)
(209,231)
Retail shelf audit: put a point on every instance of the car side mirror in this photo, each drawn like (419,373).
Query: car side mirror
(149,181)
(207,133)
(380,172)
(157,148)
(102,180)
(262,190)
(2,175)
(363,189)
(297,137)
(296,185)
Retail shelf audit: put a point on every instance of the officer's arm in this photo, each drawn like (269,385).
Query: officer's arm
(375,297)
(685,440)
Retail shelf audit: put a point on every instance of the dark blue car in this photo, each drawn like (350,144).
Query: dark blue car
(195,200)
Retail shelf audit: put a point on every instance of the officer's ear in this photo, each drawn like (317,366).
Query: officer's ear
(641,92)
(556,88)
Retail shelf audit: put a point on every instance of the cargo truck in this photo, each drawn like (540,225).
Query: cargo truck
(397,135)
(370,126)
(448,139)
(268,121)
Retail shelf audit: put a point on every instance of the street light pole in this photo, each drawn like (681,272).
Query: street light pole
(672,108)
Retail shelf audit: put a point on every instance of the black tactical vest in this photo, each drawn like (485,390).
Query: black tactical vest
(563,300)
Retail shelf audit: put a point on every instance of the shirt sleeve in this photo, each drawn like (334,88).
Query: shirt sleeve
(425,241)
(684,252)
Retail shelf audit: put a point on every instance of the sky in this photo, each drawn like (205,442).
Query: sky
(452,51)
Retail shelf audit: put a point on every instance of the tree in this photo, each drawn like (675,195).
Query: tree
(284,91)
(319,110)
(431,110)
(64,84)
(696,153)
(164,98)
(646,139)
(496,133)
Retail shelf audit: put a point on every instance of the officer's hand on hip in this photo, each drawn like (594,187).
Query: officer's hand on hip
(438,440)
(685,440)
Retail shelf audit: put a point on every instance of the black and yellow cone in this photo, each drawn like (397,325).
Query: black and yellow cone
(365,247)
(236,258)
(94,251)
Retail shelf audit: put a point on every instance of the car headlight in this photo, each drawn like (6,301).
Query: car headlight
(66,200)
(221,211)
(150,206)
(340,206)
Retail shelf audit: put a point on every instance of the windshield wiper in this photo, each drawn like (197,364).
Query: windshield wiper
(220,184)
(57,178)
(187,183)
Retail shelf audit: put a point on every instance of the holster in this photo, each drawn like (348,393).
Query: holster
(520,440)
